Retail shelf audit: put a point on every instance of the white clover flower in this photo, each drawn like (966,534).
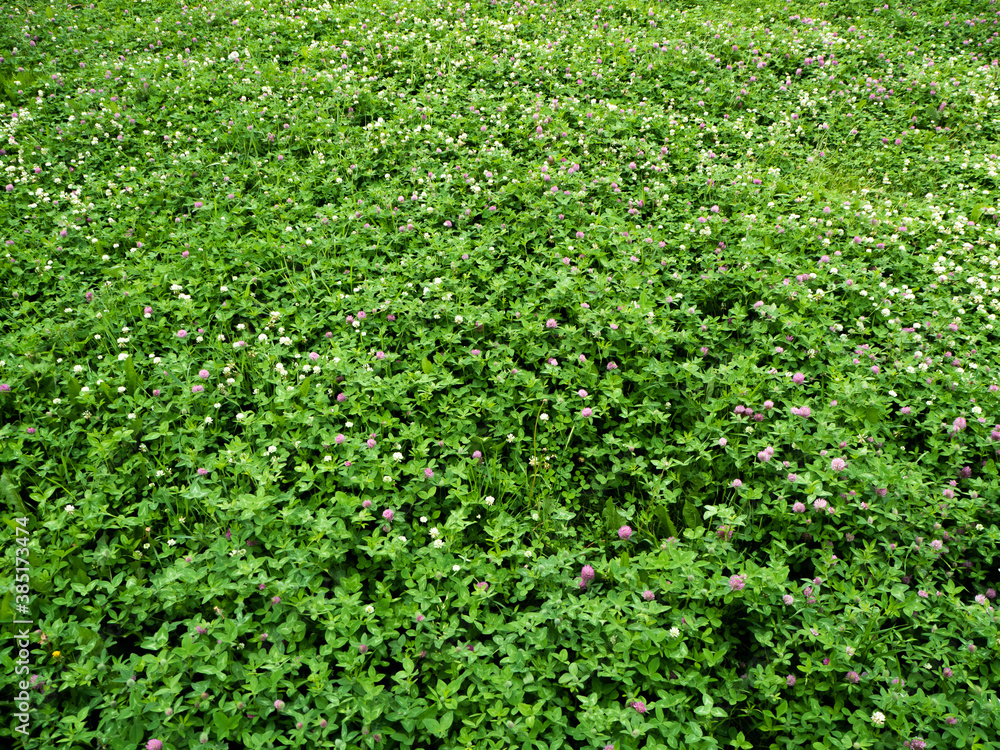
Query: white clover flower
(370,609)
(675,632)
(171,542)
(397,456)
(544,417)
(490,500)
(71,509)
(878,718)
(438,543)
(434,532)
(456,568)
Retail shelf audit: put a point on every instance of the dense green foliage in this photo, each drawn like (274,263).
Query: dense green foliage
(500,374)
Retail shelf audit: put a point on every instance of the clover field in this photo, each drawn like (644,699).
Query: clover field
(499,374)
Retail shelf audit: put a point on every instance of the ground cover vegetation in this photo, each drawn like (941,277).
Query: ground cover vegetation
(501,374)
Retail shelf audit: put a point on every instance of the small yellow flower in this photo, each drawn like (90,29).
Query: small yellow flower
(56,654)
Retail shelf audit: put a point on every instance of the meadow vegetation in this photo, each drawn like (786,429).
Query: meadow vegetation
(500,374)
